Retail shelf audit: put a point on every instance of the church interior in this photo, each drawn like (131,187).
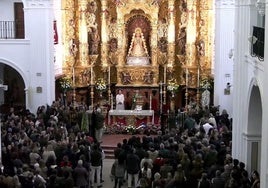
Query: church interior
(163,49)
(165,56)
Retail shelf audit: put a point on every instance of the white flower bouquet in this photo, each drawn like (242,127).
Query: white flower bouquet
(101,85)
(172,85)
(65,83)
(130,129)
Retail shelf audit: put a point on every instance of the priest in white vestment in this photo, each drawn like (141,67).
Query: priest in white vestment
(120,99)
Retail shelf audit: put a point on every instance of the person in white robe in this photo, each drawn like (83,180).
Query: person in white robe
(120,99)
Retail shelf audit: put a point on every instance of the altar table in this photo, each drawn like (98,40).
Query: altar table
(139,113)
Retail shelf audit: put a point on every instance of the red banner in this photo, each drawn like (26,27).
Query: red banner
(56,38)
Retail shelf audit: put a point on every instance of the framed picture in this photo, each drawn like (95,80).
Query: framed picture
(227,91)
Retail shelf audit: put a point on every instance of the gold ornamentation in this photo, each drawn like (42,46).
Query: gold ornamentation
(183,19)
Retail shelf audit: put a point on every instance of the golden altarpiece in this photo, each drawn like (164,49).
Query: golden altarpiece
(143,45)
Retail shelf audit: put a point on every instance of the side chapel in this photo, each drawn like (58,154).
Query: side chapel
(144,45)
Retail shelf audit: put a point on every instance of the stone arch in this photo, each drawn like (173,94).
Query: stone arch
(14,66)
(14,78)
(254,127)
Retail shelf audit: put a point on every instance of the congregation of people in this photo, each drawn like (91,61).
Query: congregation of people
(60,146)
(195,155)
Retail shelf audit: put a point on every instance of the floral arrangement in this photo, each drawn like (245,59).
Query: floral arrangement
(172,85)
(130,129)
(65,83)
(101,85)
(206,83)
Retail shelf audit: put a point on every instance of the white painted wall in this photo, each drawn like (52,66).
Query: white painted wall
(7,10)
(224,51)
(249,71)
(32,57)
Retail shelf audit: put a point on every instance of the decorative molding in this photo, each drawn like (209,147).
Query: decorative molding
(260,5)
(254,62)
(38,4)
(251,137)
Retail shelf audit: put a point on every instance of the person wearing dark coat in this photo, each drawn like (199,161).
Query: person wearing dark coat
(96,162)
(217,181)
(81,175)
(133,168)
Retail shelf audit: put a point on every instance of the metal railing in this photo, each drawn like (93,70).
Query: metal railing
(7,29)
(10,30)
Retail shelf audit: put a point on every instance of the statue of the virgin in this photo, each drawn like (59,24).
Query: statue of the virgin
(138,45)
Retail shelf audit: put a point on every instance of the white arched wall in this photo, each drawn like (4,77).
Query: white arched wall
(253,133)
(20,71)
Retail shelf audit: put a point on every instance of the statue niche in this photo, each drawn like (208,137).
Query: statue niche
(138,53)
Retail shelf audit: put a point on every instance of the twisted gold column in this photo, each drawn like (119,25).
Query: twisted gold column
(83,36)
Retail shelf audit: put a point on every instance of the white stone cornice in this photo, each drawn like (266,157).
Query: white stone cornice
(224,3)
(260,5)
(38,4)
(251,137)
(254,62)
(244,2)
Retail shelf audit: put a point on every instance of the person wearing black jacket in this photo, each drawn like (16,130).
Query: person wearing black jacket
(96,162)
(133,168)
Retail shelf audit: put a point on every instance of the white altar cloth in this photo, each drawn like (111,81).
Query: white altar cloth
(130,113)
(138,61)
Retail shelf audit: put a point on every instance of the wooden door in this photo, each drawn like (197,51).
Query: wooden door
(19,20)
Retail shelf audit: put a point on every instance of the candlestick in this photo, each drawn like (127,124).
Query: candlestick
(150,101)
(91,75)
(112,102)
(73,77)
(187,77)
(198,79)
(109,75)
(165,74)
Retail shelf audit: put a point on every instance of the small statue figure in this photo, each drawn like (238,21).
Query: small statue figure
(163,44)
(148,77)
(183,6)
(138,46)
(162,28)
(73,47)
(92,7)
(94,40)
(182,41)
(113,45)
(126,78)
(201,48)
(113,28)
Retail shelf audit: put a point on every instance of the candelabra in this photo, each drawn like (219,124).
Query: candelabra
(93,59)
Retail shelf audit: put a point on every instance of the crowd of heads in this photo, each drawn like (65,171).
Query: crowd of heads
(45,147)
(48,146)
(195,154)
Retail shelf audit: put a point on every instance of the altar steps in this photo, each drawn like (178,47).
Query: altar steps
(109,151)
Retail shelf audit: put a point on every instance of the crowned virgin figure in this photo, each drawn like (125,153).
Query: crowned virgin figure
(138,45)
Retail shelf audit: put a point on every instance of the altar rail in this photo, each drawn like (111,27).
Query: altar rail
(140,113)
